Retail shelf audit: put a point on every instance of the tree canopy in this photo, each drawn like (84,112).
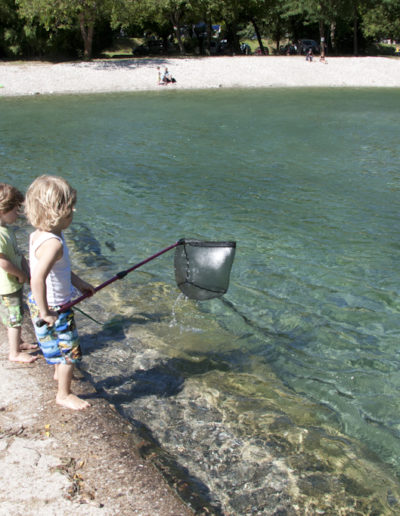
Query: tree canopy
(82,28)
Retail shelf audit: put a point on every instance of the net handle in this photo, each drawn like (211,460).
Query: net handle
(118,276)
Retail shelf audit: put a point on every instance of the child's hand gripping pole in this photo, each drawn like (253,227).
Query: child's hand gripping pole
(63,308)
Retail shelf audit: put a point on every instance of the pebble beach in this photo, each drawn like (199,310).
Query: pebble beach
(126,75)
(63,462)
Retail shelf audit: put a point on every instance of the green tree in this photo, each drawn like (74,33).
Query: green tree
(207,11)
(267,18)
(230,14)
(322,12)
(58,15)
(10,37)
(255,11)
(382,20)
(162,17)
(352,12)
(175,11)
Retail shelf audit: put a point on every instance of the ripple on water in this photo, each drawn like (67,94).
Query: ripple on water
(247,442)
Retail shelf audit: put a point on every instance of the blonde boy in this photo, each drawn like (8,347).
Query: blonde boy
(50,203)
(14,273)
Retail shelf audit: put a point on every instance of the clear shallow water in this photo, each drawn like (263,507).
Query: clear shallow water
(291,380)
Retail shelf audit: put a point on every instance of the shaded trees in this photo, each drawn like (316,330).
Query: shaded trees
(382,20)
(57,15)
(162,17)
(37,27)
(322,12)
(10,29)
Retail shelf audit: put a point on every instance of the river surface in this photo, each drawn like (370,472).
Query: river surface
(283,396)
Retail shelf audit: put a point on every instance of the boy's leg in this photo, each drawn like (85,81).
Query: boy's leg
(11,313)
(64,395)
(15,355)
(55,377)
(60,347)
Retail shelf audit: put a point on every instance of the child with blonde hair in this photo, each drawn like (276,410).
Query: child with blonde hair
(14,272)
(50,203)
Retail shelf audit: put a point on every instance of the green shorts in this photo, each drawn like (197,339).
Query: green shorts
(11,310)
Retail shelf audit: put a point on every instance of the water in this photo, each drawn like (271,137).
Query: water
(284,394)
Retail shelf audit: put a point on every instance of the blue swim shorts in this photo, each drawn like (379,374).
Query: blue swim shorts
(59,343)
(11,310)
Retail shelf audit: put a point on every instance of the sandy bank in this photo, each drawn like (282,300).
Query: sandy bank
(26,78)
(56,461)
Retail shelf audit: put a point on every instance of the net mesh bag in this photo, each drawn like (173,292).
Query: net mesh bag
(202,269)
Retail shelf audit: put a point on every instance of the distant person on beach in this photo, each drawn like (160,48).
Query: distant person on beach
(14,272)
(167,77)
(50,203)
(309,55)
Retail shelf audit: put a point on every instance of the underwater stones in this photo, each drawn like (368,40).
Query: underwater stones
(86,247)
(314,484)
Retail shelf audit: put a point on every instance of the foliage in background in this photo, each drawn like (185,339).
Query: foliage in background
(83,28)
(57,16)
(383,20)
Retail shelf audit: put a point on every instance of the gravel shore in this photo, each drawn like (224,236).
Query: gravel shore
(31,78)
(61,462)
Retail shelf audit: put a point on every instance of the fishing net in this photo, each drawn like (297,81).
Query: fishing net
(202,269)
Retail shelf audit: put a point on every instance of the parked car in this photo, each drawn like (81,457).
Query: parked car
(305,45)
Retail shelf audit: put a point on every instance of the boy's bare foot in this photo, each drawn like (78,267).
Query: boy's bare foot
(28,346)
(72,402)
(23,357)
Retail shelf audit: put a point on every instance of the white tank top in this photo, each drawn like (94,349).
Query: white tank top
(58,281)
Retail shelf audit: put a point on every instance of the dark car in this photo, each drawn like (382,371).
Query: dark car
(305,45)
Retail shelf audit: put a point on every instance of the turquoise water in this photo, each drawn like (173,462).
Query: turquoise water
(307,182)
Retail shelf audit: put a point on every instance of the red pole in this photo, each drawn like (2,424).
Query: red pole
(118,276)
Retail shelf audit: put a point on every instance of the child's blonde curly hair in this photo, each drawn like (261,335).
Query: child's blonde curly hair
(48,200)
(10,197)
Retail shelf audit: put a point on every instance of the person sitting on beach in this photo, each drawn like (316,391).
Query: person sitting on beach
(167,77)
(309,55)
(50,203)
(14,272)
